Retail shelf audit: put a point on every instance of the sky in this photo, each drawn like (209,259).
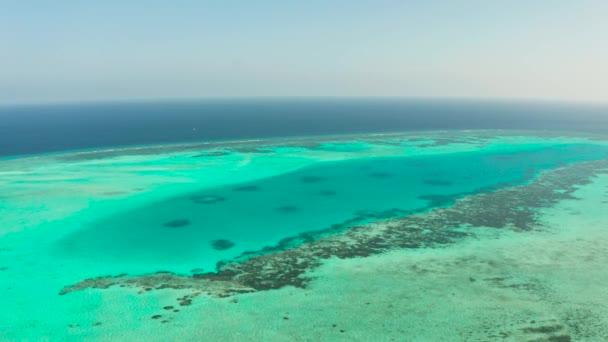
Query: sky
(69,50)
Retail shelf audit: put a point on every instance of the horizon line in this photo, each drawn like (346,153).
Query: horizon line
(136,100)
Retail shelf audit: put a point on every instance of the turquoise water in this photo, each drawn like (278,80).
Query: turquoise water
(219,224)
(72,218)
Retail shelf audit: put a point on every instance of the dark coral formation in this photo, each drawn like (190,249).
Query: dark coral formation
(438,200)
(327,193)
(211,154)
(287,209)
(381,175)
(222,244)
(551,333)
(311,179)
(177,223)
(379,215)
(207,199)
(514,208)
(545,329)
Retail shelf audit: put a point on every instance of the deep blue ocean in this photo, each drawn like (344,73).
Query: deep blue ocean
(30,129)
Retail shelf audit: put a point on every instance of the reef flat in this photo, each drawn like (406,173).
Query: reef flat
(297,237)
(509,209)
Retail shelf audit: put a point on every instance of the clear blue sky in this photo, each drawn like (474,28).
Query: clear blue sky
(65,50)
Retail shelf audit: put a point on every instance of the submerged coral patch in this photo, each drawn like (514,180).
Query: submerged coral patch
(381,175)
(222,244)
(177,223)
(438,200)
(311,179)
(327,193)
(211,154)
(384,214)
(207,199)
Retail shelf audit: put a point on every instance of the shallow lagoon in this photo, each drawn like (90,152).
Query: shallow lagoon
(71,217)
(326,197)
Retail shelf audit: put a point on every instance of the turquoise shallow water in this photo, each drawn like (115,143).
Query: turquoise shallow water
(217,224)
(70,217)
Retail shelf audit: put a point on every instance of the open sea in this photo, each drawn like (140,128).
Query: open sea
(304,219)
(29,129)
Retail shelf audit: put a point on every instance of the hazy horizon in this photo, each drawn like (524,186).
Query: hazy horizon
(427,99)
(111,51)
